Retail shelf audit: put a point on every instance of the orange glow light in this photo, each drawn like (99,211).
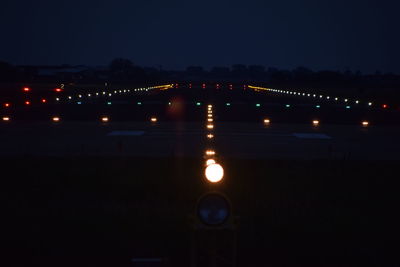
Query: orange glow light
(27,103)
(214,173)
(44,100)
(26,89)
(58,90)
(7,105)
(210,153)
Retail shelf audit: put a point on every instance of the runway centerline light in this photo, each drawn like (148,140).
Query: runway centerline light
(210,161)
(214,173)
(210,153)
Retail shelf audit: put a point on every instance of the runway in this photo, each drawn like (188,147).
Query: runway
(187,139)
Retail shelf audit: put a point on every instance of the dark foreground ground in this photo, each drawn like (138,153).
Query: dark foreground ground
(105,211)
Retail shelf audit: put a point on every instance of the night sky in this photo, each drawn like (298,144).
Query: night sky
(337,35)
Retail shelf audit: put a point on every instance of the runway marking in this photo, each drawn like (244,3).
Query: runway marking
(126,133)
(311,136)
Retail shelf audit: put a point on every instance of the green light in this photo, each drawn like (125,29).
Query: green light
(258,105)
(288,106)
(139,103)
(109,103)
(348,107)
(79,103)
(228,104)
(198,104)
(317,106)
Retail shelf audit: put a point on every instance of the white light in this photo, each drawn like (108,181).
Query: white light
(370,104)
(346,100)
(357,102)
(69,97)
(80,96)
(210,161)
(214,173)
(57,99)
(336,99)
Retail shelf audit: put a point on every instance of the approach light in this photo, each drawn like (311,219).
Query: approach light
(365,123)
(210,115)
(210,126)
(27,103)
(315,122)
(26,89)
(7,105)
(56,119)
(214,173)
(153,119)
(267,121)
(6,118)
(210,120)
(210,136)
(105,119)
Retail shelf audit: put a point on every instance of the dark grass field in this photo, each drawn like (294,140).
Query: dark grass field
(104,211)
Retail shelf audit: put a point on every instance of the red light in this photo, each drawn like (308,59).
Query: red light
(7,105)
(44,100)
(26,89)
(58,90)
(204,85)
(384,106)
(27,102)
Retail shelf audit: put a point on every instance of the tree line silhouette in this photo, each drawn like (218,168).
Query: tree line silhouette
(123,71)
